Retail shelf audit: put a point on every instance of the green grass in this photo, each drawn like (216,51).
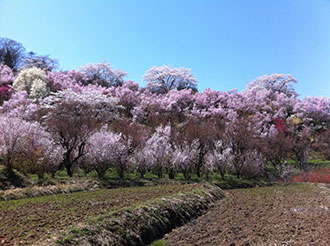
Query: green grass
(303,189)
(158,243)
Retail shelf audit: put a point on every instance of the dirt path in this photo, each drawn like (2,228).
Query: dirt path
(296,215)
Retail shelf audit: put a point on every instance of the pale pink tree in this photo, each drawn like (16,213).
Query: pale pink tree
(159,151)
(40,154)
(102,74)
(73,117)
(140,161)
(241,136)
(12,140)
(220,158)
(280,83)
(105,148)
(164,78)
(184,156)
(128,94)
(27,146)
(19,106)
(63,80)
(254,163)
(6,79)
(6,75)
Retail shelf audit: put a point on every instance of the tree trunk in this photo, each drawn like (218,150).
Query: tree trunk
(100,174)
(120,171)
(159,172)
(40,176)
(8,168)
(222,176)
(198,171)
(142,173)
(187,174)
(68,167)
(171,173)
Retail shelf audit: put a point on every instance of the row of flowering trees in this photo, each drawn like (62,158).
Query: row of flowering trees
(93,119)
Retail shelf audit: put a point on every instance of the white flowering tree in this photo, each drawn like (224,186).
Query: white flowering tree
(33,81)
(102,74)
(159,151)
(219,158)
(164,78)
(74,117)
(140,161)
(104,148)
(277,83)
(184,156)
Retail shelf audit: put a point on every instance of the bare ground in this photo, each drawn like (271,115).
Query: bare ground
(296,215)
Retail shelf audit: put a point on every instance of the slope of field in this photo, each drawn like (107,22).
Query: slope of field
(293,215)
(24,221)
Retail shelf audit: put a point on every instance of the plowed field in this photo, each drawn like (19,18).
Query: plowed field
(25,221)
(297,215)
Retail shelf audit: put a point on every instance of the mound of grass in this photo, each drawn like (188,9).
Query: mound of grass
(144,222)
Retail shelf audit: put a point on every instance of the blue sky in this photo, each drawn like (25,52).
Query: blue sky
(226,43)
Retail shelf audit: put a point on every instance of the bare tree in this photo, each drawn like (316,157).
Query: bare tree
(44,63)
(11,53)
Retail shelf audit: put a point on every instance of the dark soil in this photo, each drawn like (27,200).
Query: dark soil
(296,215)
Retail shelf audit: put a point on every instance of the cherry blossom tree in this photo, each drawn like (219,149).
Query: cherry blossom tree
(240,135)
(12,136)
(6,79)
(104,148)
(6,75)
(313,112)
(102,74)
(129,96)
(280,83)
(219,158)
(206,131)
(253,166)
(276,147)
(40,154)
(164,78)
(27,146)
(19,106)
(140,161)
(5,93)
(184,156)
(62,80)
(73,117)
(159,151)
